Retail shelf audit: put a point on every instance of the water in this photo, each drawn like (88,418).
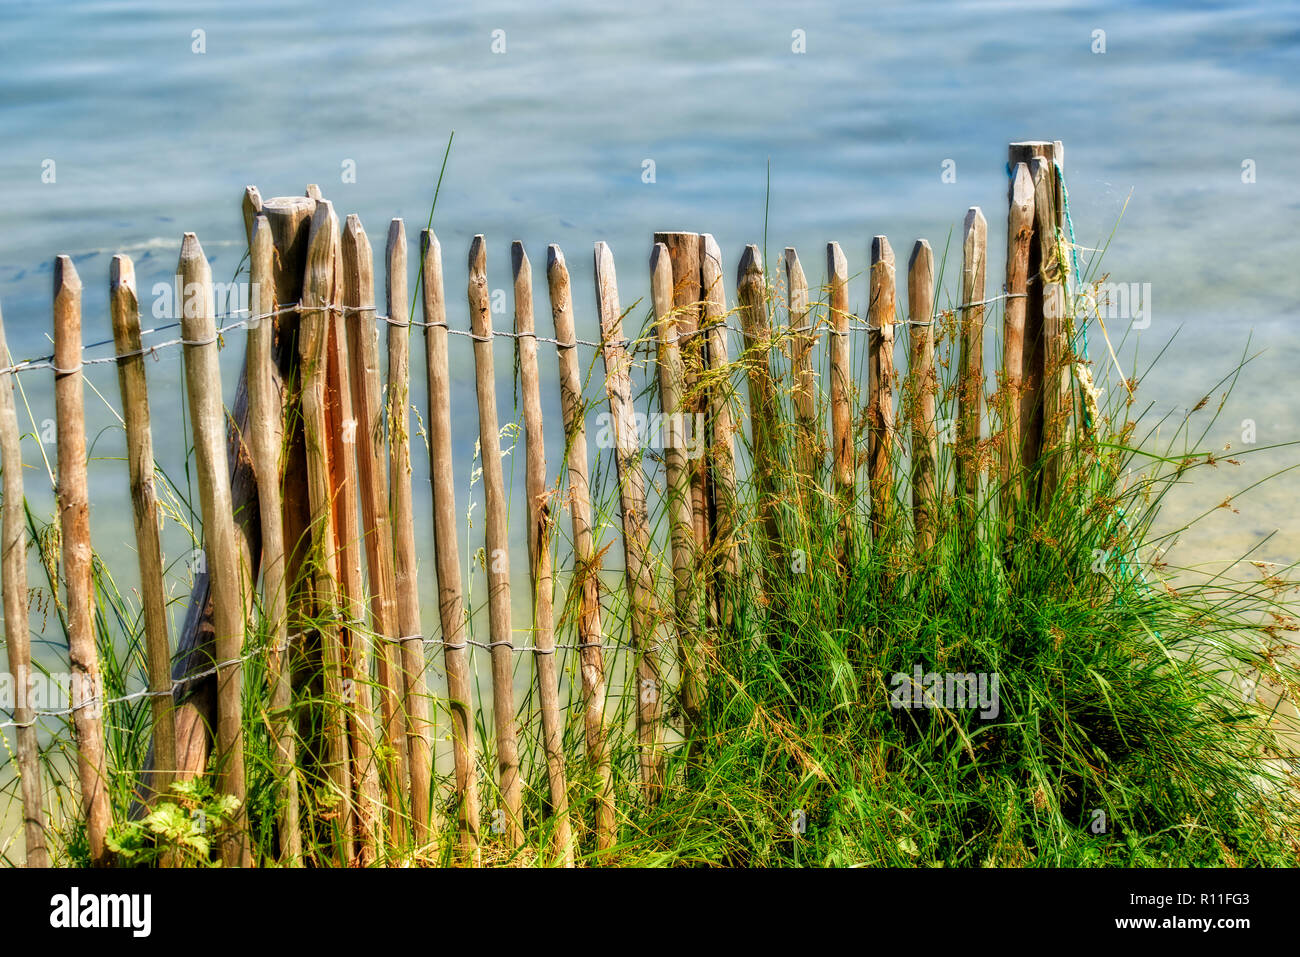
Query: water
(150,139)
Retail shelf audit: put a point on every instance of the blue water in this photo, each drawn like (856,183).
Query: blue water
(150,139)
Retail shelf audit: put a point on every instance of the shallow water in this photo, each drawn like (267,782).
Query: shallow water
(150,139)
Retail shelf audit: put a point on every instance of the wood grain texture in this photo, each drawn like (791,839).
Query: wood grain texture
(809,444)
(751,292)
(18,643)
(124,306)
(586,560)
(880,403)
(451,611)
(358,320)
(923,389)
(723,547)
(1020,228)
(497,544)
(644,612)
(227,570)
(970,370)
(541,528)
(843,399)
(266,445)
(416,700)
(321,561)
(669,330)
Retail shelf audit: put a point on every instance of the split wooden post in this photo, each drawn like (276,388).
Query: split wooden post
(451,610)
(844,454)
(317,296)
(922,392)
(724,550)
(18,642)
(74,525)
(405,567)
(1056,375)
(970,370)
(808,444)
(497,542)
(751,291)
(266,441)
(684,256)
(672,384)
(229,577)
(643,609)
(376,528)
(342,432)
(1020,229)
(880,407)
(541,526)
(125,308)
(585,558)
(1031,396)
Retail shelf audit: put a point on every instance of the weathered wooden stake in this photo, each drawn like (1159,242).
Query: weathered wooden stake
(451,610)
(318,291)
(1020,228)
(419,728)
(751,291)
(18,642)
(970,369)
(844,454)
(586,560)
(672,384)
(229,577)
(541,526)
(808,444)
(376,528)
(880,407)
(923,387)
(643,611)
(497,541)
(125,308)
(724,550)
(266,445)
(1056,377)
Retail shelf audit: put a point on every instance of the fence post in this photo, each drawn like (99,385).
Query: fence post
(724,550)
(684,255)
(405,567)
(808,455)
(358,319)
(18,644)
(74,525)
(585,558)
(497,542)
(970,370)
(229,581)
(842,401)
(751,291)
(880,408)
(451,612)
(541,526)
(265,444)
(643,609)
(125,308)
(921,393)
(1055,348)
(1020,227)
(317,295)
(672,378)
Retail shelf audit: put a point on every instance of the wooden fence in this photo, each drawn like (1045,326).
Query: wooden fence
(305,492)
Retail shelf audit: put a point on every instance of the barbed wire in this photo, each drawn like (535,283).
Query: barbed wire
(47,361)
(184,681)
